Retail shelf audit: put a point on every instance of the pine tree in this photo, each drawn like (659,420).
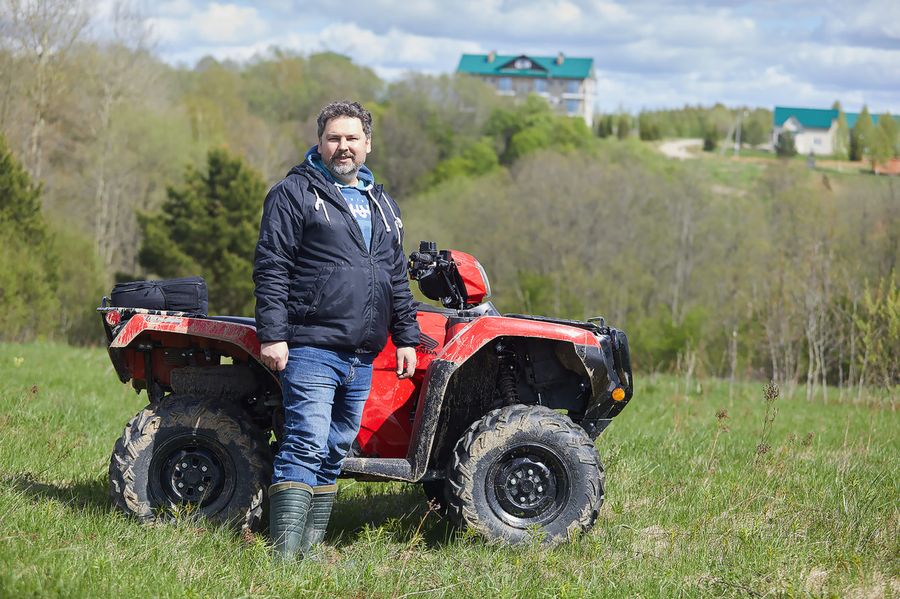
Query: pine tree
(28,262)
(20,198)
(710,138)
(623,126)
(208,227)
(861,135)
(842,135)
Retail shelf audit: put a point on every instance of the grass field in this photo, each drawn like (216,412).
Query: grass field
(706,496)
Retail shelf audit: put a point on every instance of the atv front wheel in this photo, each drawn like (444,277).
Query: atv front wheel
(189,451)
(524,469)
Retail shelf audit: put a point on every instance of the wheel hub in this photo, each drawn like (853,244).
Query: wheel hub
(526,488)
(192,474)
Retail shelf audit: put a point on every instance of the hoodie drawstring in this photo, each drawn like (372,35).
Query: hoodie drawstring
(397,222)
(320,203)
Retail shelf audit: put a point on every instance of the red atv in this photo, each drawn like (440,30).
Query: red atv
(498,423)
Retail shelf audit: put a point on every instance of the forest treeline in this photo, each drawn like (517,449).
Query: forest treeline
(117,166)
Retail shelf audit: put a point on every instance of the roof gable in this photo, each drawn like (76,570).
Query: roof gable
(815,118)
(539,66)
(809,118)
(523,64)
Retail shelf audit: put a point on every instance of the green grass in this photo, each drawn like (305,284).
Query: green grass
(804,503)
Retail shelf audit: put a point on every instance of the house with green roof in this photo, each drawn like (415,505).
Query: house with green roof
(568,83)
(814,129)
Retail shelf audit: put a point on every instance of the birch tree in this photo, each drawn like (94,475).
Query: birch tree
(43,33)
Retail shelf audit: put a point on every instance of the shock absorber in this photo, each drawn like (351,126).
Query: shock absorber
(507,375)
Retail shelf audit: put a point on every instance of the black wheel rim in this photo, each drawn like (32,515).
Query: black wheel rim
(528,485)
(192,469)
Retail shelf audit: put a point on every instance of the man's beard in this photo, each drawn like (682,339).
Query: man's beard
(347,170)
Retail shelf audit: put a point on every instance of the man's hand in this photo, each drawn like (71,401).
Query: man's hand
(274,354)
(406,362)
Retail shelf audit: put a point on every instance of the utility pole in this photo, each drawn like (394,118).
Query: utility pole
(737,137)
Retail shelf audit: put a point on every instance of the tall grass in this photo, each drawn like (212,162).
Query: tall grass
(760,495)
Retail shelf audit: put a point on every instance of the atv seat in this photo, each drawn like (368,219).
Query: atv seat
(245,320)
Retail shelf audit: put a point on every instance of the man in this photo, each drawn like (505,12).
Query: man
(331,282)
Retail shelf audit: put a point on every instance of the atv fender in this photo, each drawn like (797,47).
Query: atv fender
(143,339)
(594,354)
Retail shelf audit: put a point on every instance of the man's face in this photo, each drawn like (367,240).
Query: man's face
(343,147)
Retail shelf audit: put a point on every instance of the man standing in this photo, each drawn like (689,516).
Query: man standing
(331,282)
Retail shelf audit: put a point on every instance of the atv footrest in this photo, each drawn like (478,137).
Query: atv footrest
(392,468)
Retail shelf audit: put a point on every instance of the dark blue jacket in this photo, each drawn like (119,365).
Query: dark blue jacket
(316,281)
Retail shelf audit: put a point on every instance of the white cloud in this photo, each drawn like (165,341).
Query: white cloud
(180,23)
(648,53)
(866,24)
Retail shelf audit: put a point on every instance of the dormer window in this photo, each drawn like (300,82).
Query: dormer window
(522,64)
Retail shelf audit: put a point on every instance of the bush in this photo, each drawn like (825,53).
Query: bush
(28,302)
(710,139)
(82,283)
(785,146)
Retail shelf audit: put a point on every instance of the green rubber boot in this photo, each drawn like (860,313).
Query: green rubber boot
(317,519)
(288,507)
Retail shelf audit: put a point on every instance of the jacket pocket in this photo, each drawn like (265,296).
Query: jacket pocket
(304,293)
(317,291)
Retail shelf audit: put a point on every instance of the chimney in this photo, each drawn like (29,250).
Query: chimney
(560,58)
(491,55)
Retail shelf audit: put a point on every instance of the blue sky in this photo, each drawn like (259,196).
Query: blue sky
(647,53)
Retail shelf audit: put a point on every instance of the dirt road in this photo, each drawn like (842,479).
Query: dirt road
(680,148)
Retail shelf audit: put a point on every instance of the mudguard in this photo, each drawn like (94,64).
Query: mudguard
(465,340)
(144,342)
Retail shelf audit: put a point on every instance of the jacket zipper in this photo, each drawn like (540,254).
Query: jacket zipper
(342,207)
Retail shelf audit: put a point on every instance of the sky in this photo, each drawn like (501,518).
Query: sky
(647,53)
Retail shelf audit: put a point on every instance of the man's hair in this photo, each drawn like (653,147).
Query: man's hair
(348,109)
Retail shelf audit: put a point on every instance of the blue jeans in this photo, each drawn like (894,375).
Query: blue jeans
(324,392)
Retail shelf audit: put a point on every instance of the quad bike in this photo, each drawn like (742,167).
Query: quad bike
(497,424)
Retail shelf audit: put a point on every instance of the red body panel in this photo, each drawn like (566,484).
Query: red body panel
(386,428)
(387,421)
(477,287)
(240,335)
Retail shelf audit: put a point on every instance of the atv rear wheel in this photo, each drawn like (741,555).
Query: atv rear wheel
(524,469)
(190,451)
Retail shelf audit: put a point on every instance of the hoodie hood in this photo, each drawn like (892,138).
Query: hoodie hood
(365,176)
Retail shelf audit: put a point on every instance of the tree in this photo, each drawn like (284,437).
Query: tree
(116,79)
(861,135)
(842,135)
(884,139)
(28,278)
(532,126)
(648,128)
(44,31)
(606,126)
(20,198)
(477,159)
(785,146)
(82,282)
(208,226)
(623,126)
(756,127)
(710,138)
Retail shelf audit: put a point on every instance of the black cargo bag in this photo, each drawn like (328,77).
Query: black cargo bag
(179,295)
